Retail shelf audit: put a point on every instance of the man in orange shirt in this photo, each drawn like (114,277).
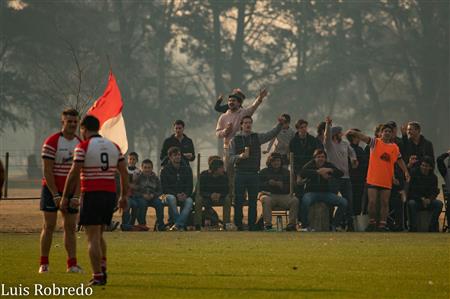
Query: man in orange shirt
(380,175)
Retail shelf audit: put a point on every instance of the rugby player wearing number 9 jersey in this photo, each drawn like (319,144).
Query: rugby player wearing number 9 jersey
(96,161)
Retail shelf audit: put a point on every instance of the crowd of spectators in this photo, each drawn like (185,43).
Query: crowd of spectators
(350,172)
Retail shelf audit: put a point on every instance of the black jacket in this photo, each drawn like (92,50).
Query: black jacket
(210,184)
(303,149)
(359,174)
(422,185)
(186,146)
(315,182)
(176,180)
(268,174)
(443,170)
(423,148)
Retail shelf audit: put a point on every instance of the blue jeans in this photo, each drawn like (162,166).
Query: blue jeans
(185,206)
(328,198)
(142,211)
(134,208)
(344,186)
(246,182)
(435,207)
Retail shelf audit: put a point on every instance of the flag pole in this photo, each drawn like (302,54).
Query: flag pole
(109,63)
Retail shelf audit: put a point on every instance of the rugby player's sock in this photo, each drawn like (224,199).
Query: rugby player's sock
(71,262)
(44,260)
(104,264)
(382,224)
(372,221)
(98,276)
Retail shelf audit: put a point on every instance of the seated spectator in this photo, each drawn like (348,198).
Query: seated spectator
(236,93)
(423,190)
(282,141)
(129,214)
(132,169)
(213,187)
(147,191)
(445,172)
(177,185)
(274,192)
(318,172)
(180,140)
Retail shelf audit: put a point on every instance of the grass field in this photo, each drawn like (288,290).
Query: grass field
(246,265)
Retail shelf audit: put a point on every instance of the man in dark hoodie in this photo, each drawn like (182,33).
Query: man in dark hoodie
(445,172)
(423,190)
(318,173)
(274,187)
(177,185)
(245,155)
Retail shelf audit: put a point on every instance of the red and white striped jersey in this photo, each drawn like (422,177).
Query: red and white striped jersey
(100,158)
(58,148)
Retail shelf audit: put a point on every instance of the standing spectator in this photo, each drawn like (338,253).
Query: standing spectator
(96,160)
(245,155)
(397,200)
(180,140)
(358,174)
(57,159)
(395,139)
(214,188)
(445,172)
(321,132)
(147,191)
(302,146)
(274,186)
(318,172)
(282,141)
(416,146)
(383,156)
(2,178)
(339,152)
(229,122)
(223,108)
(177,184)
(423,190)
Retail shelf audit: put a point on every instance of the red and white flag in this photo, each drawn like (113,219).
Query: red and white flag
(108,109)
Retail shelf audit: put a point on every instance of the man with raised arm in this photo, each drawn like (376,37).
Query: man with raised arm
(380,175)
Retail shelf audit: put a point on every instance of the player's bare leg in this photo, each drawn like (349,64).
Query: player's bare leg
(103,249)
(70,242)
(94,234)
(372,195)
(46,239)
(384,209)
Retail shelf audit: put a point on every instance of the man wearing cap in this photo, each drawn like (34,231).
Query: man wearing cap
(339,152)
(229,124)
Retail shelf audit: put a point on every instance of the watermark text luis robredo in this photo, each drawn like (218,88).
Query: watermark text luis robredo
(38,289)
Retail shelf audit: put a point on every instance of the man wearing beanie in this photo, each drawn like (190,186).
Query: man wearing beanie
(339,152)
